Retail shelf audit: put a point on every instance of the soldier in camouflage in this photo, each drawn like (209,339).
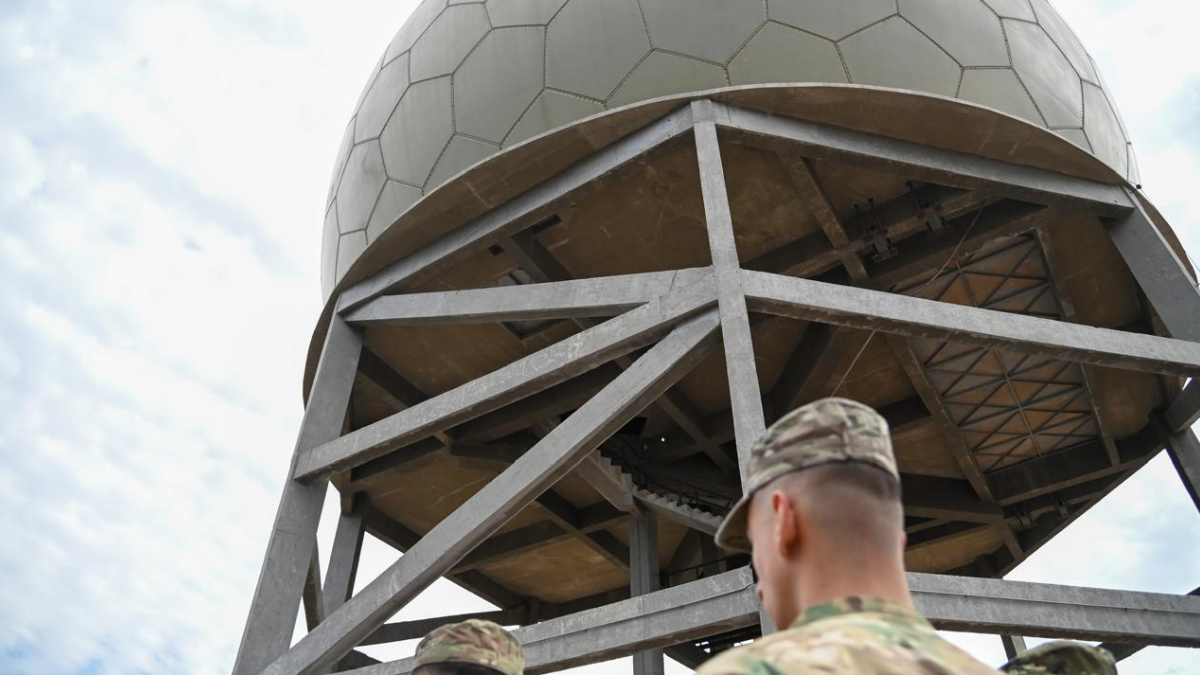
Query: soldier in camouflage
(822,520)
(471,647)
(1062,657)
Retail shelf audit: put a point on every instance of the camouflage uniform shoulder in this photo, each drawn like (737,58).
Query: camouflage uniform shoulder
(1063,657)
(860,642)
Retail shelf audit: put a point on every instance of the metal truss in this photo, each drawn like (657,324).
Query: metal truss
(670,320)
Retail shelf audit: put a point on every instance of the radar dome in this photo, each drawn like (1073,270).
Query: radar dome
(462,81)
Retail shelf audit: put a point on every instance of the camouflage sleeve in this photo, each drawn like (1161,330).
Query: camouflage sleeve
(737,662)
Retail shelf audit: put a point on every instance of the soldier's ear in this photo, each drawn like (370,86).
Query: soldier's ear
(786,534)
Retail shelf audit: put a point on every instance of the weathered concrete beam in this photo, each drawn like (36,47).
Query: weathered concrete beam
(946,498)
(902,348)
(812,194)
(1185,455)
(1073,466)
(576,298)
(343,559)
(312,598)
(277,596)
(745,396)
(1122,651)
(487,510)
(979,228)
(929,164)
(529,411)
(1184,411)
(916,317)
(643,578)
(1014,646)
(399,537)
(517,213)
(726,602)
(541,370)
(543,266)
(1162,276)
(418,628)
(1047,610)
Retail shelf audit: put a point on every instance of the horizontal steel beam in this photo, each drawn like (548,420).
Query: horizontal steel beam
(518,212)
(727,602)
(601,297)
(918,318)
(930,164)
(540,370)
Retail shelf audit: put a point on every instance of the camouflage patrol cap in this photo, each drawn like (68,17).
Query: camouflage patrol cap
(1063,657)
(473,641)
(823,432)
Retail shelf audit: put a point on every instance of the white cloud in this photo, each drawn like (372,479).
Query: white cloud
(163,169)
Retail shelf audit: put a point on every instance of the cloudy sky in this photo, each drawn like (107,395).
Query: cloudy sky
(163,170)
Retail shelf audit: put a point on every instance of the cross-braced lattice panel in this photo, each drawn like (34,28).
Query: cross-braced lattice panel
(1009,407)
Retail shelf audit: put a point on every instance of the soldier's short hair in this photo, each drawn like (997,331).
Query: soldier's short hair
(862,477)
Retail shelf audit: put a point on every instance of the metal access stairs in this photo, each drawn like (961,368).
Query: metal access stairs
(619,488)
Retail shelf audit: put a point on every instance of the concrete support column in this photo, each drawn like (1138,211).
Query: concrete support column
(1014,646)
(343,558)
(289,554)
(745,397)
(744,394)
(643,577)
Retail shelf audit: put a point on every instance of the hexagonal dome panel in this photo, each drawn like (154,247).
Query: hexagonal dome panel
(662,73)
(1012,9)
(381,99)
(498,81)
(393,201)
(447,41)
(999,88)
(418,130)
(459,154)
(942,21)
(833,20)
(551,109)
(711,30)
(1047,74)
(472,77)
(1102,129)
(583,59)
(1064,37)
(522,12)
(412,29)
(339,164)
(894,54)
(780,53)
(362,182)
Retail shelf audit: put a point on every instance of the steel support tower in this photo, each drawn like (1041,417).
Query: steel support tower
(657,326)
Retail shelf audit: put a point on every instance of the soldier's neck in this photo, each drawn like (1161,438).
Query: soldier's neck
(829,580)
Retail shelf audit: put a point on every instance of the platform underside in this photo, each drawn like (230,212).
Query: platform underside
(999,451)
